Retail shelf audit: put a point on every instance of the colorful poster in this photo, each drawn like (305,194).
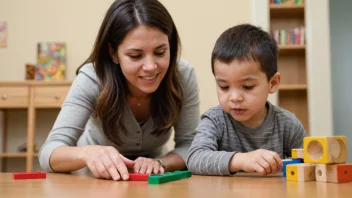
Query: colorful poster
(51,61)
(3,34)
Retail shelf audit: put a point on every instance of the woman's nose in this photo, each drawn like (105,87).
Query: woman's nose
(149,64)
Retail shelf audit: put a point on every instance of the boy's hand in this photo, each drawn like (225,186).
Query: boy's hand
(263,161)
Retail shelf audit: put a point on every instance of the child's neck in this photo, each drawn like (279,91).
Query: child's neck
(258,119)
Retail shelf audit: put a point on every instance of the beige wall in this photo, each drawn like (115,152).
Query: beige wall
(76,23)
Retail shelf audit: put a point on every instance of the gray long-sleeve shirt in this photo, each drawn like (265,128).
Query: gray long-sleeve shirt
(219,137)
(75,125)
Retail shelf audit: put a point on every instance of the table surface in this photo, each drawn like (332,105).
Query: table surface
(68,185)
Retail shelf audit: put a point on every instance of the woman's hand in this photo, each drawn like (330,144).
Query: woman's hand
(147,166)
(106,162)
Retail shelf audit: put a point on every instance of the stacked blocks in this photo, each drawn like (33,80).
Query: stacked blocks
(290,161)
(300,172)
(324,160)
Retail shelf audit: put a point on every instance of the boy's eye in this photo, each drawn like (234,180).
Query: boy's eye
(248,87)
(135,56)
(223,87)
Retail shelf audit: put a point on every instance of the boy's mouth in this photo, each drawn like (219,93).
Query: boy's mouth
(239,111)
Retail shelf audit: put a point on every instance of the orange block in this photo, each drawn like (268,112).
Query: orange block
(336,173)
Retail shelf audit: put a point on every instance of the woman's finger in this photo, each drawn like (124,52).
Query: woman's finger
(156,168)
(101,169)
(144,167)
(137,164)
(110,166)
(94,171)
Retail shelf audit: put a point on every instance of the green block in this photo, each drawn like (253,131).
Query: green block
(168,177)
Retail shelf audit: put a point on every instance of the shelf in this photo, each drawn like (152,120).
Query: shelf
(13,154)
(295,87)
(292,49)
(295,10)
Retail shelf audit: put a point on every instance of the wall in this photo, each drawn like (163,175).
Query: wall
(341,48)
(76,23)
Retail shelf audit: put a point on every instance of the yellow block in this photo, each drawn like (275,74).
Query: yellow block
(297,153)
(291,173)
(325,150)
(300,172)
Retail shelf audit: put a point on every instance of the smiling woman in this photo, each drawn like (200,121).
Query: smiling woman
(126,98)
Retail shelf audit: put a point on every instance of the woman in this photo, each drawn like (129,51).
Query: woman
(126,98)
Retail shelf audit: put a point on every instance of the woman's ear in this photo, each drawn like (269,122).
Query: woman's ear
(274,83)
(113,55)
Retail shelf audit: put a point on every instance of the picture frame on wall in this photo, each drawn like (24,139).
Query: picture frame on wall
(3,34)
(51,61)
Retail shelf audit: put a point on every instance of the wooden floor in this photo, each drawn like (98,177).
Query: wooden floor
(67,185)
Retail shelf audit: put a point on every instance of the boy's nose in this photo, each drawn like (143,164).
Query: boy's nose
(236,97)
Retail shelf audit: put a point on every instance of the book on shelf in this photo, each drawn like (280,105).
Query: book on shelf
(287,2)
(295,36)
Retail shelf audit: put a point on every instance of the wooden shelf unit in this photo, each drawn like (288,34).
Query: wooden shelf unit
(29,95)
(292,94)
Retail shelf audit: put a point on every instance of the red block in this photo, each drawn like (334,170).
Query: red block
(138,177)
(29,175)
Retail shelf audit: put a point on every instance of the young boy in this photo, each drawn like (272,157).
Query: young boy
(245,132)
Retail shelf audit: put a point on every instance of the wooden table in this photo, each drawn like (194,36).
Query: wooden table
(67,185)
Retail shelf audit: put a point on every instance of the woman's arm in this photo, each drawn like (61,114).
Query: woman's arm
(70,124)
(188,119)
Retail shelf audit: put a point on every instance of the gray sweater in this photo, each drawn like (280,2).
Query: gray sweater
(75,125)
(219,137)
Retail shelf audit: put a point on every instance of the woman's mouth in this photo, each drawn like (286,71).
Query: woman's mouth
(149,77)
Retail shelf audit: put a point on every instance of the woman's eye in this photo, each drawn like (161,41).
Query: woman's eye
(135,56)
(248,87)
(160,53)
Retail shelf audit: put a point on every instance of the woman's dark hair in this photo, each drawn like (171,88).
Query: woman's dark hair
(166,101)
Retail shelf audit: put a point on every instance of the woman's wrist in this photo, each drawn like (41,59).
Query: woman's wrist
(161,163)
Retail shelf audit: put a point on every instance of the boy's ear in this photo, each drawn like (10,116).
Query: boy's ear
(113,55)
(274,83)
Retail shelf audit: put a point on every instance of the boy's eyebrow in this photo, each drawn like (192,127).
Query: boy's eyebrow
(220,80)
(139,50)
(248,78)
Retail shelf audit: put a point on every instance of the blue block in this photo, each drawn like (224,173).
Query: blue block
(290,161)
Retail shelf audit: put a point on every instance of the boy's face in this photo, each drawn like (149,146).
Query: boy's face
(243,90)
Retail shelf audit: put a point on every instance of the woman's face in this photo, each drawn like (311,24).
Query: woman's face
(144,57)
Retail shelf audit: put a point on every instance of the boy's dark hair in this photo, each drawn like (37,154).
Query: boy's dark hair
(247,42)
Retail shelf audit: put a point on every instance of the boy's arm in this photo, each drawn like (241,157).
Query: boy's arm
(203,155)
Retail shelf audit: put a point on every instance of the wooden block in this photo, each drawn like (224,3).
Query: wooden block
(29,175)
(300,172)
(286,162)
(325,150)
(336,173)
(297,153)
(138,177)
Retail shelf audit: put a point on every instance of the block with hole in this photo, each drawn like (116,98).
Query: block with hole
(335,173)
(325,150)
(300,172)
(286,162)
(297,153)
